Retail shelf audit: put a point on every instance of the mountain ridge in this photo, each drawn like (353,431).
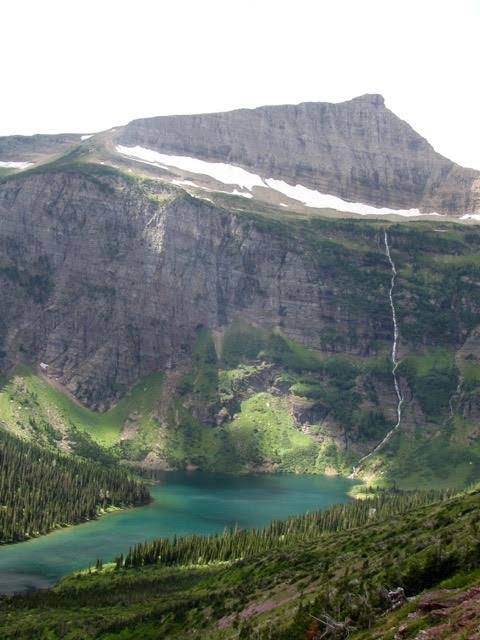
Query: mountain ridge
(358,150)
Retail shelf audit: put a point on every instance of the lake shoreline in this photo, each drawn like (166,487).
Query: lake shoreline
(182,504)
(355,493)
(101,514)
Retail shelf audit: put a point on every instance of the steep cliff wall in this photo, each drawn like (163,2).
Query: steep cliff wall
(107,282)
(273,332)
(357,150)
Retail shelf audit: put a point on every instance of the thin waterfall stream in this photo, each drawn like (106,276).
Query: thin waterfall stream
(394,360)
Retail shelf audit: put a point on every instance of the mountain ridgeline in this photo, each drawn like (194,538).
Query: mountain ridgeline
(358,150)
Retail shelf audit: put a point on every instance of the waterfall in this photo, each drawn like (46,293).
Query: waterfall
(394,361)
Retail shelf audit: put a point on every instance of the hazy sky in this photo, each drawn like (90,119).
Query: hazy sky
(89,65)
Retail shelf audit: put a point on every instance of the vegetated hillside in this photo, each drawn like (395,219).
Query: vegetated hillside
(269,335)
(41,490)
(34,408)
(308,582)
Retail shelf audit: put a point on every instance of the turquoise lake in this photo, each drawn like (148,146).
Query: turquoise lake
(184,503)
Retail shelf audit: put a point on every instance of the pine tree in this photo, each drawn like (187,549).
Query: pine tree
(41,490)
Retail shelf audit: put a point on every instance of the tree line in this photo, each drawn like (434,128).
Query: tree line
(41,490)
(236,544)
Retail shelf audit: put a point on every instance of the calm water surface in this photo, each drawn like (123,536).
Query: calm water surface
(183,503)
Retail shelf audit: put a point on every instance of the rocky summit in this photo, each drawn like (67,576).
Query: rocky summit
(358,150)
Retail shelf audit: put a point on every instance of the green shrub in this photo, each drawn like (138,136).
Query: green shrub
(242,343)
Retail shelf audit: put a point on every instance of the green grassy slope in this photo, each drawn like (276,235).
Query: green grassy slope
(264,430)
(240,409)
(28,397)
(284,593)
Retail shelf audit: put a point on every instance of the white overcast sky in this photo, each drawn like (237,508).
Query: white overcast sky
(89,65)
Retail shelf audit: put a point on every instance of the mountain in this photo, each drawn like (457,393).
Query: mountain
(182,321)
(357,150)
(285,289)
(355,157)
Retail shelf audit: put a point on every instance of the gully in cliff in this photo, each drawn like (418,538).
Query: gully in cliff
(395,364)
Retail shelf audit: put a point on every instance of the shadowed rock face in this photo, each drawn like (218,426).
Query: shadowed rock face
(107,284)
(358,150)
(107,278)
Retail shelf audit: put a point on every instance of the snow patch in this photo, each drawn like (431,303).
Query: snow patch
(125,152)
(232,175)
(225,173)
(312,198)
(186,183)
(15,165)
(236,192)
(470,216)
(189,183)
(86,136)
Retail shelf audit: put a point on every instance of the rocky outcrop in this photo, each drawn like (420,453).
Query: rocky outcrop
(443,615)
(106,278)
(358,150)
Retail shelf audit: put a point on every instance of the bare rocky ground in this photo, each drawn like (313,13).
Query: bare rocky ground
(437,614)
(447,615)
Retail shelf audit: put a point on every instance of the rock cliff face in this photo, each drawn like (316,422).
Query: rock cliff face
(358,150)
(107,282)
(106,278)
